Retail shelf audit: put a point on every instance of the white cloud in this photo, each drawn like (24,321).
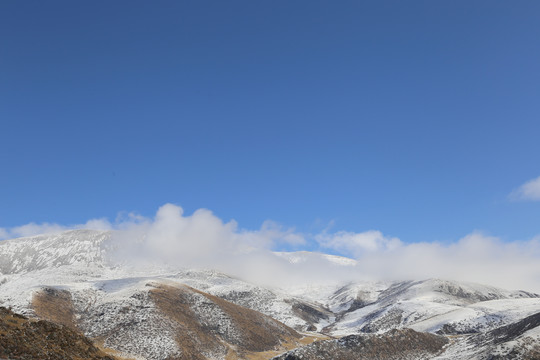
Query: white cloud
(356,244)
(96,224)
(201,239)
(36,229)
(474,258)
(204,240)
(528,191)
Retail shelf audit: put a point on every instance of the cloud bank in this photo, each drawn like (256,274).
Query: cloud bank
(203,240)
(530,191)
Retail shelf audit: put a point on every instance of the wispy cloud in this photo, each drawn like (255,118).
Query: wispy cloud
(355,244)
(32,229)
(530,191)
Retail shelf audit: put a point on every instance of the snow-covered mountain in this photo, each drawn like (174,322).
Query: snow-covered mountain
(159,311)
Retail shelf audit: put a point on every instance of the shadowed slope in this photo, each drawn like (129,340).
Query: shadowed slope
(393,345)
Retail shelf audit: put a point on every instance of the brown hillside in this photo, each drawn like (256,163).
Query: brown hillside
(21,338)
(54,305)
(210,325)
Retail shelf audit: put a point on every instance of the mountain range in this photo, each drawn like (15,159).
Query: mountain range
(160,311)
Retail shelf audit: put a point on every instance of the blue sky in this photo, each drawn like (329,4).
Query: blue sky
(417,119)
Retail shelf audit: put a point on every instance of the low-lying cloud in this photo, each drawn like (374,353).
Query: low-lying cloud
(476,258)
(357,244)
(197,240)
(203,240)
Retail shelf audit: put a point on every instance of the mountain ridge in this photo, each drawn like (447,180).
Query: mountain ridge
(67,278)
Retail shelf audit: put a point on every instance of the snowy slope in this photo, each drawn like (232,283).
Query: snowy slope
(78,247)
(429,305)
(106,297)
(518,340)
(78,259)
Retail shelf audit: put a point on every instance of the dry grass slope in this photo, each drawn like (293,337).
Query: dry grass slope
(21,338)
(54,305)
(242,335)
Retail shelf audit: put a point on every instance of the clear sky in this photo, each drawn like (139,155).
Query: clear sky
(414,118)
